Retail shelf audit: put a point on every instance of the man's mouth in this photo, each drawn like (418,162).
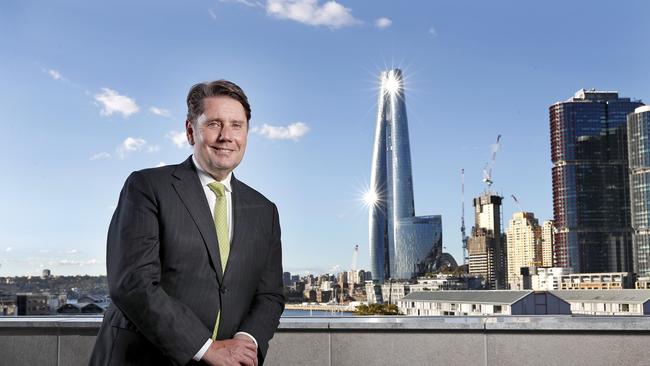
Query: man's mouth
(222,149)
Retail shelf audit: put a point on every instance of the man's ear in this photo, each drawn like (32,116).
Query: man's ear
(189,131)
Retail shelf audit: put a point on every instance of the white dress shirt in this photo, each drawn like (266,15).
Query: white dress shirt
(211,197)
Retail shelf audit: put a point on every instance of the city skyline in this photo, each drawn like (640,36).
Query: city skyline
(92,92)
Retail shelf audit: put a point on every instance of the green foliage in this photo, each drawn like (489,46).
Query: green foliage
(377,309)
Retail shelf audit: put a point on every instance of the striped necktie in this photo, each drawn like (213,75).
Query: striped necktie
(223,230)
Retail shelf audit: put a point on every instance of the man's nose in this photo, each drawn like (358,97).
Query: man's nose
(226,133)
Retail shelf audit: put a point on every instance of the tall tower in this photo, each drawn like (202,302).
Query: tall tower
(547,243)
(487,255)
(638,132)
(523,244)
(400,242)
(590,182)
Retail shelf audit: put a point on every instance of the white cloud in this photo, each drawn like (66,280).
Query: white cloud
(72,251)
(101,155)
(72,262)
(383,23)
(433,32)
(134,144)
(179,138)
(9,249)
(54,74)
(112,102)
(212,14)
(249,3)
(330,14)
(160,112)
(162,163)
(293,131)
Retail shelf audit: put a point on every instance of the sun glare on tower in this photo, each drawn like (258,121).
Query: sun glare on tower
(370,198)
(391,84)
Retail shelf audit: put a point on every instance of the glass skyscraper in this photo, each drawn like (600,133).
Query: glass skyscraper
(638,133)
(590,182)
(400,242)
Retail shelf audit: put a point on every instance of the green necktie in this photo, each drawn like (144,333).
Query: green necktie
(221,224)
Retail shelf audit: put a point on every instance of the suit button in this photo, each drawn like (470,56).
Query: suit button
(223,289)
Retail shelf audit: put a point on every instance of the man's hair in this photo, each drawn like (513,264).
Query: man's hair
(200,91)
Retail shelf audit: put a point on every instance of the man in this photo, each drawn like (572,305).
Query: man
(193,255)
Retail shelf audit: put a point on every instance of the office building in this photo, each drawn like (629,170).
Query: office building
(487,255)
(547,279)
(590,182)
(596,281)
(401,244)
(638,142)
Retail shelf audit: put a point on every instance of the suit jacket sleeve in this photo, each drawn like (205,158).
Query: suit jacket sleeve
(133,268)
(268,303)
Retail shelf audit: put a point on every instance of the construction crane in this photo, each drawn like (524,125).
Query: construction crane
(355,256)
(463,235)
(517,202)
(487,170)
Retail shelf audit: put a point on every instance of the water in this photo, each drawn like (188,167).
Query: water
(319,313)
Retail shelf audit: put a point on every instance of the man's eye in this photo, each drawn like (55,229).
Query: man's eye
(213,124)
(237,125)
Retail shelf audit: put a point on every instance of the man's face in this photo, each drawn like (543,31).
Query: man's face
(219,135)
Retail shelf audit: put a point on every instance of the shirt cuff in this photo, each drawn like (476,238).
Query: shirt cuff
(249,336)
(199,355)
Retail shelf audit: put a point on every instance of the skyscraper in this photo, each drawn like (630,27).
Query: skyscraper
(523,244)
(547,243)
(590,182)
(487,254)
(638,133)
(401,244)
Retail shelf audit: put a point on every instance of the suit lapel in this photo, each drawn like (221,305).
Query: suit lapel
(188,187)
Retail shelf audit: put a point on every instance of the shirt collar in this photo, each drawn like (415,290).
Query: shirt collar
(206,178)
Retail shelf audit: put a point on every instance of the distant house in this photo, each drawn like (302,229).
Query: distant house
(81,308)
(607,302)
(92,299)
(492,302)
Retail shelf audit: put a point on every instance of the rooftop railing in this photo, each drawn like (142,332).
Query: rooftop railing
(504,340)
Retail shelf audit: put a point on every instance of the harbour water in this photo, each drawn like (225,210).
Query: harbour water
(314,313)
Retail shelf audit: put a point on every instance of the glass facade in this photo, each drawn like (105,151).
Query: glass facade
(590,182)
(397,238)
(638,132)
(419,244)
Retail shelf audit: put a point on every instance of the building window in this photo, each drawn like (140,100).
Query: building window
(625,307)
(497,309)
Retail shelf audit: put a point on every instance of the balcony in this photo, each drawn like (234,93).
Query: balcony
(507,340)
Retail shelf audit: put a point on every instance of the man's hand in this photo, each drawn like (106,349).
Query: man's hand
(231,352)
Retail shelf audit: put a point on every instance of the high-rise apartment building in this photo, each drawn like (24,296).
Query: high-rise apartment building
(590,182)
(638,133)
(401,244)
(487,255)
(547,243)
(523,244)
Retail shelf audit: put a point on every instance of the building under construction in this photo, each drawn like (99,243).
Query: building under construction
(487,254)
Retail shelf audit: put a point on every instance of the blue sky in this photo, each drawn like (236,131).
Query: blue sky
(90,91)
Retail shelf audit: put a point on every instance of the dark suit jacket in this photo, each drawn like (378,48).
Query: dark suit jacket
(165,277)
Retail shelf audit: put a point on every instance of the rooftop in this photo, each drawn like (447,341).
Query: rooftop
(484,297)
(632,296)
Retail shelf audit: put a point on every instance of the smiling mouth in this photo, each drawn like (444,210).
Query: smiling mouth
(222,150)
